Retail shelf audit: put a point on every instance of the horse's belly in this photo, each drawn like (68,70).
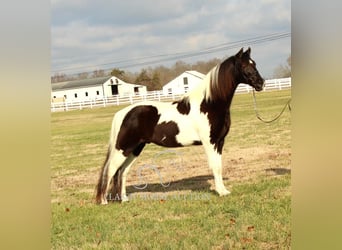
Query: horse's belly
(173,134)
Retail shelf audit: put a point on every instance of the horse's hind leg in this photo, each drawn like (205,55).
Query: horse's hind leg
(118,191)
(114,161)
(119,187)
(128,163)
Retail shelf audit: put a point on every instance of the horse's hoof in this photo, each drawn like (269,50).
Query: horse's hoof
(104,202)
(124,198)
(224,193)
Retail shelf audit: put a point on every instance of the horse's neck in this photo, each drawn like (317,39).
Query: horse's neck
(201,93)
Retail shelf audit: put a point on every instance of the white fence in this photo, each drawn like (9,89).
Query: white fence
(274,84)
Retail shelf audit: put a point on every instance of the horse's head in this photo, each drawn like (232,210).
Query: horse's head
(248,72)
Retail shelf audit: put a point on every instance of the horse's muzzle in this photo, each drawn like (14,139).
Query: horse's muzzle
(260,87)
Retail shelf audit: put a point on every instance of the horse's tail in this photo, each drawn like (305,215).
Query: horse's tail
(101,187)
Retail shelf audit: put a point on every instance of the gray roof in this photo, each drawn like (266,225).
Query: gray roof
(80,83)
(195,73)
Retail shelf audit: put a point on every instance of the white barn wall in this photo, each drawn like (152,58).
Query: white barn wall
(97,91)
(80,92)
(177,85)
(124,88)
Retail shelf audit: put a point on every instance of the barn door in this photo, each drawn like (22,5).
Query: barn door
(115,90)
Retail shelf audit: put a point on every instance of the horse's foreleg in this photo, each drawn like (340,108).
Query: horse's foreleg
(215,163)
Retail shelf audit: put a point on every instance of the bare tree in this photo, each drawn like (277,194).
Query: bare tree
(59,77)
(83,75)
(152,77)
(98,73)
(283,70)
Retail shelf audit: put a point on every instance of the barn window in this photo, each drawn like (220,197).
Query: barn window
(97,92)
(185,81)
(86,93)
(116,80)
(75,95)
(65,96)
(54,97)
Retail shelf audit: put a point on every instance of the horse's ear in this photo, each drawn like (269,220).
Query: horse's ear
(239,54)
(248,51)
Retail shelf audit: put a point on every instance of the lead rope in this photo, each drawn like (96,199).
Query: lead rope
(274,119)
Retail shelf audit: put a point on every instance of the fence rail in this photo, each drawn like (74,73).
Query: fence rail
(274,84)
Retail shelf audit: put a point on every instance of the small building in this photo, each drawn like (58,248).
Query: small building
(183,83)
(96,88)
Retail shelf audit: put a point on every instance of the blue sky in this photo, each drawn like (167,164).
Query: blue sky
(88,35)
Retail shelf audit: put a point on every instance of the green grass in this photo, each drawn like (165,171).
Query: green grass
(256,215)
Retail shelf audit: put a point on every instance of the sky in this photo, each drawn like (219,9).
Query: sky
(87,35)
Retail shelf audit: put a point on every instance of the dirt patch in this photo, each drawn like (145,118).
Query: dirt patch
(74,179)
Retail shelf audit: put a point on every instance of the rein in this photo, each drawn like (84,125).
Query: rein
(287,104)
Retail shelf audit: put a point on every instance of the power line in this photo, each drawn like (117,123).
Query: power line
(181,55)
(208,51)
(153,59)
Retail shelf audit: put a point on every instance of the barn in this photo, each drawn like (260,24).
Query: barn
(183,83)
(96,88)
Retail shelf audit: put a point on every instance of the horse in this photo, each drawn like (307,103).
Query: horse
(200,117)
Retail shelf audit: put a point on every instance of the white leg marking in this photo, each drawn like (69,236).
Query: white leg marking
(215,163)
(104,201)
(116,161)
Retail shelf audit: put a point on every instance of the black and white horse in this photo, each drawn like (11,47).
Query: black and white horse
(201,117)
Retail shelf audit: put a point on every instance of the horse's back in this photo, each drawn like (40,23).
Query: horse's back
(159,122)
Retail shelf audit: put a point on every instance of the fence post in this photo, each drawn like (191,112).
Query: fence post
(130,99)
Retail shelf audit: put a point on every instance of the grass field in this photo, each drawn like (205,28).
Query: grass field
(184,212)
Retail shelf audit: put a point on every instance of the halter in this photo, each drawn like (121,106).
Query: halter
(287,104)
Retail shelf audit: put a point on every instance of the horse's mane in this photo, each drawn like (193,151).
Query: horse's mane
(218,84)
